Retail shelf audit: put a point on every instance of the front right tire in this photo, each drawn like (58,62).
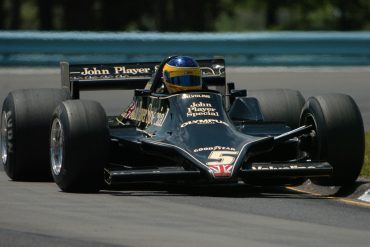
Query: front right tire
(79,146)
(338,136)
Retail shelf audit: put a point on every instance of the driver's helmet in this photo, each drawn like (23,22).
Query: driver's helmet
(182,73)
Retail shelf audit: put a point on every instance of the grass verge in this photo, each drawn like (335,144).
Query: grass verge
(365,172)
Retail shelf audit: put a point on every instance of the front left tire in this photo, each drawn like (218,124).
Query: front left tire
(79,146)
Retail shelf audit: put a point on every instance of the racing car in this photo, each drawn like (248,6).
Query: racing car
(216,134)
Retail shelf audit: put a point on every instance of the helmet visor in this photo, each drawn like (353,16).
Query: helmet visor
(186,80)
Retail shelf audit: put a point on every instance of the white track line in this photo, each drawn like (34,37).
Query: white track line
(365,197)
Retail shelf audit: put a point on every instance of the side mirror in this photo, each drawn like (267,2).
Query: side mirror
(238,93)
(142,92)
(234,93)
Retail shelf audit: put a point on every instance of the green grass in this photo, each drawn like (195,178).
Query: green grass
(366,168)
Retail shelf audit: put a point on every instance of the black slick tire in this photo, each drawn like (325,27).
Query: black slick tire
(338,136)
(26,118)
(283,106)
(279,105)
(80,150)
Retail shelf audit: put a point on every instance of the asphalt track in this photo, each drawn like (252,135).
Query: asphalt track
(38,214)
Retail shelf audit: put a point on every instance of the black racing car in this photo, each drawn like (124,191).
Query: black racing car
(215,135)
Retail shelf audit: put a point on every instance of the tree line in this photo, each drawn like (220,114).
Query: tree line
(190,15)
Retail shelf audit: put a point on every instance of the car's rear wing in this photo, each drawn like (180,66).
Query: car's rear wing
(125,76)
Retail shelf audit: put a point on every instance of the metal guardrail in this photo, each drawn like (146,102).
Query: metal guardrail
(252,48)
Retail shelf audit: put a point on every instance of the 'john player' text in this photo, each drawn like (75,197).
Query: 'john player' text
(201,109)
(118,70)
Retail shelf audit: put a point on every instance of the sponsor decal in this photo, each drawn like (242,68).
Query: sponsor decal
(203,121)
(201,109)
(147,116)
(216,69)
(133,71)
(129,110)
(156,118)
(117,70)
(190,96)
(287,167)
(221,170)
(146,112)
(214,148)
(94,71)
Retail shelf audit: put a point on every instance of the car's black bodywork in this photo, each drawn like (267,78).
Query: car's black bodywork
(203,136)
(214,135)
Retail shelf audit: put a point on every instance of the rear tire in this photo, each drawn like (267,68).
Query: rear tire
(339,136)
(280,105)
(79,146)
(25,123)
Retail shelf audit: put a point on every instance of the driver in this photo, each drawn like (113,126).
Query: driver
(182,73)
(179,73)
